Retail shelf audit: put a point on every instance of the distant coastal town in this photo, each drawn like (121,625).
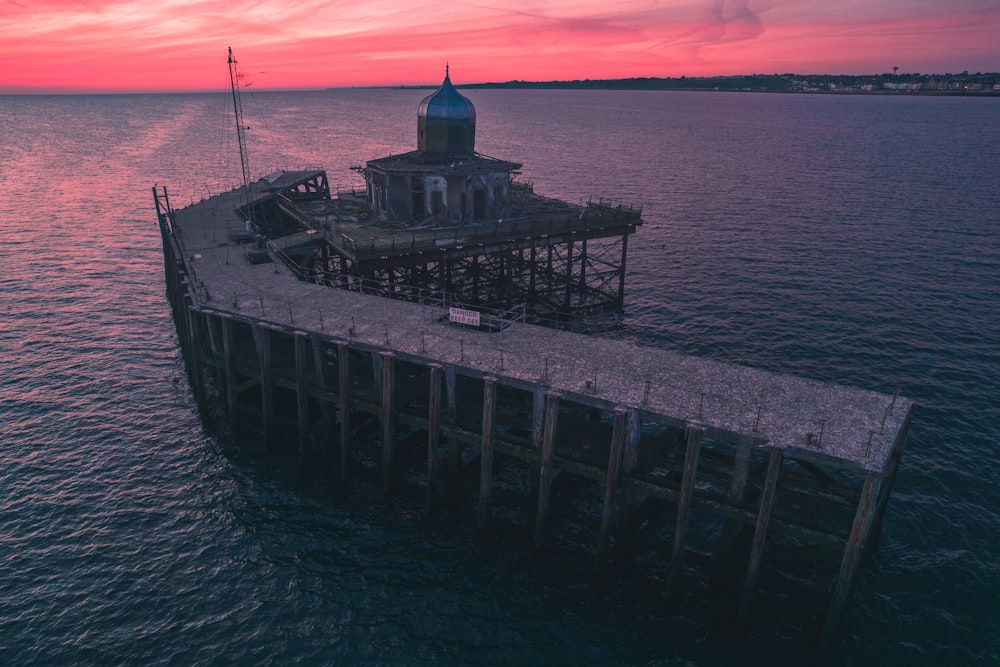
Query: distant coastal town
(965,83)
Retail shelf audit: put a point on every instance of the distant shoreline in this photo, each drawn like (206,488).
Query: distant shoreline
(883,84)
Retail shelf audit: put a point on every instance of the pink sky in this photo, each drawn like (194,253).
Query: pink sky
(169,45)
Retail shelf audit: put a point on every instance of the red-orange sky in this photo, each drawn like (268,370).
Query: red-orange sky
(170,45)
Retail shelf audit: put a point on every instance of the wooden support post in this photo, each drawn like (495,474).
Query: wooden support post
(326,419)
(266,386)
(486,453)
(760,534)
(851,559)
(569,275)
(694,433)
(433,428)
(377,372)
(545,477)
(231,379)
(614,462)
(194,352)
(537,430)
(737,491)
(451,419)
(344,398)
(630,459)
(388,419)
(302,392)
(621,272)
(531,276)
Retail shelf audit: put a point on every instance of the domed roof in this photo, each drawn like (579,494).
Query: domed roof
(447,102)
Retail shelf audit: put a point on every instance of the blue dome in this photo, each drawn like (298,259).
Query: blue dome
(447,103)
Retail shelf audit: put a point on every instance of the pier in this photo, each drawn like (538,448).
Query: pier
(535,424)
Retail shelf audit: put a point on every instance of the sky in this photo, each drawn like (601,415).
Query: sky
(181,45)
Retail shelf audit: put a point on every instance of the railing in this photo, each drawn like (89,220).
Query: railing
(500,230)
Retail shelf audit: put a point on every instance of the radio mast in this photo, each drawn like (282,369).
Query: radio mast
(241,136)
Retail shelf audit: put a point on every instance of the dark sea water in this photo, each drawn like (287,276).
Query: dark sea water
(849,239)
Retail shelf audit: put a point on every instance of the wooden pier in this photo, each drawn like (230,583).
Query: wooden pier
(395,387)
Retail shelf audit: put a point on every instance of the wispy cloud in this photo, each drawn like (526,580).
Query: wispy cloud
(179,44)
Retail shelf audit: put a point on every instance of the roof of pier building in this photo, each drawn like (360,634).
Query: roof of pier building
(446,122)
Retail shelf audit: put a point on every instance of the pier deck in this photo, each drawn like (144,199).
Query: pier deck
(755,449)
(837,424)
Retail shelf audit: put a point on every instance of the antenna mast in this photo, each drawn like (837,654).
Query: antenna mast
(240,136)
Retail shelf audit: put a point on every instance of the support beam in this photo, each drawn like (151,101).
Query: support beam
(567,299)
(694,433)
(737,491)
(230,370)
(760,533)
(545,477)
(325,416)
(343,395)
(630,459)
(433,427)
(486,453)
(302,392)
(263,338)
(852,558)
(621,272)
(388,364)
(195,373)
(537,433)
(611,485)
(451,419)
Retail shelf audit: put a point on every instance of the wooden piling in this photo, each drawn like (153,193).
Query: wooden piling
(611,485)
(433,427)
(486,451)
(326,419)
(263,338)
(852,558)
(388,364)
(630,459)
(694,433)
(760,533)
(737,490)
(302,392)
(451,419)
(537,434)
(545,476)
(344,399)
(230,371)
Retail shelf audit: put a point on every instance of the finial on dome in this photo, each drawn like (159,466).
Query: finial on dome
(446,66)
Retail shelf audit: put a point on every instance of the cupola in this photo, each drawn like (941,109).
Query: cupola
(446,122)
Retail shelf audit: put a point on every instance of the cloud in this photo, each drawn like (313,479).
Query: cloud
(131,45)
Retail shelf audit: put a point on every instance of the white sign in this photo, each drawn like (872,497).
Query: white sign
(463,316)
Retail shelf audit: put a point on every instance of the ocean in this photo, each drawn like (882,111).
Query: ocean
(851,239)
